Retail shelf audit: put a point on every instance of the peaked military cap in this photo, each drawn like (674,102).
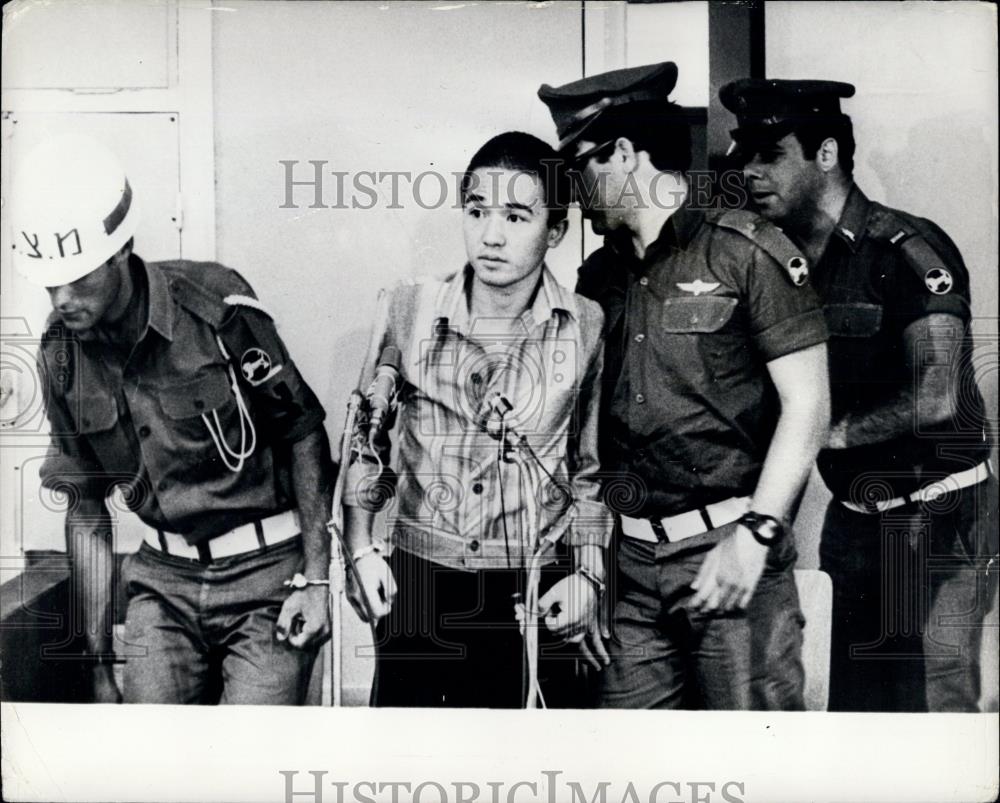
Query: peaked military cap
(768,109)
(577,105)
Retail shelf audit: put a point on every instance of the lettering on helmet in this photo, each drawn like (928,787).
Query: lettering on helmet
(72,236)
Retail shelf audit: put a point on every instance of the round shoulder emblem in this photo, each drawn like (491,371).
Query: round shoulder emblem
(256,365)
(938,281)
(798,270)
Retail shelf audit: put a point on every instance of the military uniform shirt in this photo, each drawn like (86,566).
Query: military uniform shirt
(689,408)
(143,421)
(882,270)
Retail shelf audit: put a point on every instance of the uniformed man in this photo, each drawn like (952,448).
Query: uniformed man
(716,403)
(907,458)
(169,381)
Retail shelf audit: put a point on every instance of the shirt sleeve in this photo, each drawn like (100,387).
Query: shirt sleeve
(70,464)
(931,277)
(279,397)
(784,317)
(591,521)
(367,485)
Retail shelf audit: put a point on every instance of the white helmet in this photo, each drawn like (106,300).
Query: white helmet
(72,209)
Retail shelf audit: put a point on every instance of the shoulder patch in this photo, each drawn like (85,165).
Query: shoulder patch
(769,238)
(930,266)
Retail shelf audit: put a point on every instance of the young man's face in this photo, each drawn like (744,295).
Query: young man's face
(505,222)
(782,182)
(83,304)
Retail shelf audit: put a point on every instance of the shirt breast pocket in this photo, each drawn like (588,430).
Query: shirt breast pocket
(203,422)
(96,415)
(696,315)
(699,341)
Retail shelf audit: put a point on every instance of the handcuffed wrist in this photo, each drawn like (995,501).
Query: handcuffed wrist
(367,549)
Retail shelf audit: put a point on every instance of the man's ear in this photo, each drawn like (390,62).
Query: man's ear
(625,151)
(828,155)
(556,233)
(123,253)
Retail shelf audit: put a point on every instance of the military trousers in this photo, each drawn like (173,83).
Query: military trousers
(910,589)
(205,633)
(665,655)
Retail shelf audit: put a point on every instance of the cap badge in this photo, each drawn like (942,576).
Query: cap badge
(938,281)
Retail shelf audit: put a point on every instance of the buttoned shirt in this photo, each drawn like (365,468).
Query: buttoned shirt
(881,270)
(157,419)
(461,500)
(689,407)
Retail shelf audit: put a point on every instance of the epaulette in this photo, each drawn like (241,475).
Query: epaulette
(768,237)
(927,262)
(195,298)
(210,290)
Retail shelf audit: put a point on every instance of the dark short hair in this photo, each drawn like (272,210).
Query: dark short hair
(812,133)
(661,129)
(516,150)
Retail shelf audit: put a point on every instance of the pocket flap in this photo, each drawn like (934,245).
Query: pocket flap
(97,413)
(853,320)
(202,394)
(697,314)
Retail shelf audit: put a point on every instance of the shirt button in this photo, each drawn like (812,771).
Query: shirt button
(640,337)
(473,545)
(640,398)
(643,281)
(144,431)
(161,485)
(199,404)
(477,488)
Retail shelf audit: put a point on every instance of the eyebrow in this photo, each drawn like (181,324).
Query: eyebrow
(472,197)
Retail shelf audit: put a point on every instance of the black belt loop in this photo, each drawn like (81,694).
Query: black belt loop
(706,519)
(204,553)
(659,531)
(163,541)
(259,529)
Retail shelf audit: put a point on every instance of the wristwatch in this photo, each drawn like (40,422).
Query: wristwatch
(766,530)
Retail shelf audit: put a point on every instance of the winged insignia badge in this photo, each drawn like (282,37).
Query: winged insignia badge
(698,287)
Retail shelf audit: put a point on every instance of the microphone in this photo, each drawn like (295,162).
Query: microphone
(382,391)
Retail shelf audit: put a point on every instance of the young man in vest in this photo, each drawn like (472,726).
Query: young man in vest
(497,496)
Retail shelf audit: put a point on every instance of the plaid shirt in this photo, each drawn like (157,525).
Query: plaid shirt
(455,501)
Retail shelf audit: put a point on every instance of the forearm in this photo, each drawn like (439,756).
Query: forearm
(312,483)
(589,557)
(882,423)
(358,526)
(796,442)
(92,572)
(802,429)
(930,350)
